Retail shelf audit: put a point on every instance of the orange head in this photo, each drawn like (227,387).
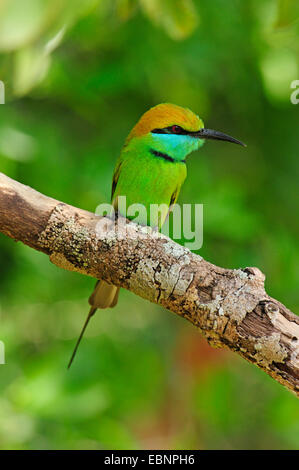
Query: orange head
(164,116)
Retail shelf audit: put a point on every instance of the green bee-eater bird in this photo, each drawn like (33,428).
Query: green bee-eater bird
(151,169)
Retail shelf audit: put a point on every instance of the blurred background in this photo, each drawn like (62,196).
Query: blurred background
(78,75)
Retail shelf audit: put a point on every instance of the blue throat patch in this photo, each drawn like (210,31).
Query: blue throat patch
(175,146)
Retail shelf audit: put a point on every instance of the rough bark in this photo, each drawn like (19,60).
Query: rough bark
(230,307)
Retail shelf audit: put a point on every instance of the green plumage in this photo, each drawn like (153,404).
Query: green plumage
(150,171)
(146,178)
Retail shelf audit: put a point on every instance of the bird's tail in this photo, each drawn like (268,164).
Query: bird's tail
(104,296)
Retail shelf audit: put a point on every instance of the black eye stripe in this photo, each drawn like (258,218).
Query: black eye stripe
(159,131)
(170,130)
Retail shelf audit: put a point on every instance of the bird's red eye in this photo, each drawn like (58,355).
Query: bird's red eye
(176,129)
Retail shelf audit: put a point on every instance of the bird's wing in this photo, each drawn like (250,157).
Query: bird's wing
(115,179)
(174,197)
(171,203)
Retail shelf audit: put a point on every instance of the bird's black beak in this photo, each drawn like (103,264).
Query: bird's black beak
(216,135)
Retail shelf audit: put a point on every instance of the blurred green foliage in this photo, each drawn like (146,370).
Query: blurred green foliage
(78,74)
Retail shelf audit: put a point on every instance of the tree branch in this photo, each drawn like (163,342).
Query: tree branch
(230,307)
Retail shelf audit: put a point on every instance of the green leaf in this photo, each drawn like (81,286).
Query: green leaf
(288,13)
(177,17)
(21,23)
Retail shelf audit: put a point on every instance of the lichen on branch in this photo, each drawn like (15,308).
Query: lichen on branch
(229,306)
